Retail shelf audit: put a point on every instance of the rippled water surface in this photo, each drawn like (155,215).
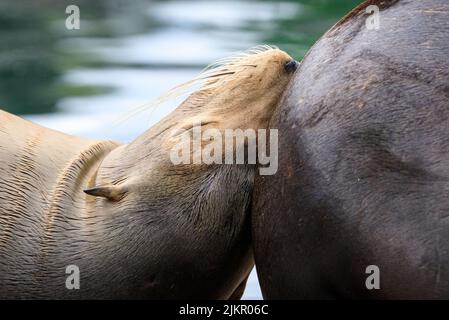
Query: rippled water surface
(128,53)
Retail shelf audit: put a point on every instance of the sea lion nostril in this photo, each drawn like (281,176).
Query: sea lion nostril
(291,66)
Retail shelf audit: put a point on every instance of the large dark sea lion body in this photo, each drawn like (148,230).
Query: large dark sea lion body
(147,228)
(363,163)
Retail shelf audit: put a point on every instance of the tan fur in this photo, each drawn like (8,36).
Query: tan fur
(148,229)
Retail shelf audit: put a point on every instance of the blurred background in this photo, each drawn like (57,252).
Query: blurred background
(127,53)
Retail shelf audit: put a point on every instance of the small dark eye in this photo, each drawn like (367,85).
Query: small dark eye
(291,66)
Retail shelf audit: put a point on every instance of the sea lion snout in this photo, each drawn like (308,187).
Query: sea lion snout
(291,66)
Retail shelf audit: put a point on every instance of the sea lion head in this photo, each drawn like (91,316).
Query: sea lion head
(198,212)
(237,92)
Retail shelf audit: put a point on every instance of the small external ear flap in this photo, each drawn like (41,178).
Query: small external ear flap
(110,192)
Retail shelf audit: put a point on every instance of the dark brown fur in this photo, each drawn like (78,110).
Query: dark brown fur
(364,163)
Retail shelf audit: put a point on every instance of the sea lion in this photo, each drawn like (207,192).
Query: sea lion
(144,227)
(363,163)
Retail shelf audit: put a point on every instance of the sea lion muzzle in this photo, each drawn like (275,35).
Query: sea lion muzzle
(110,192)
(291,66)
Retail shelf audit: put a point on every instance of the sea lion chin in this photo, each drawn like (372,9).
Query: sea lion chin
(135,224)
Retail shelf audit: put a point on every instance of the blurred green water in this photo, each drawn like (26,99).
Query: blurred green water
(33,62)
